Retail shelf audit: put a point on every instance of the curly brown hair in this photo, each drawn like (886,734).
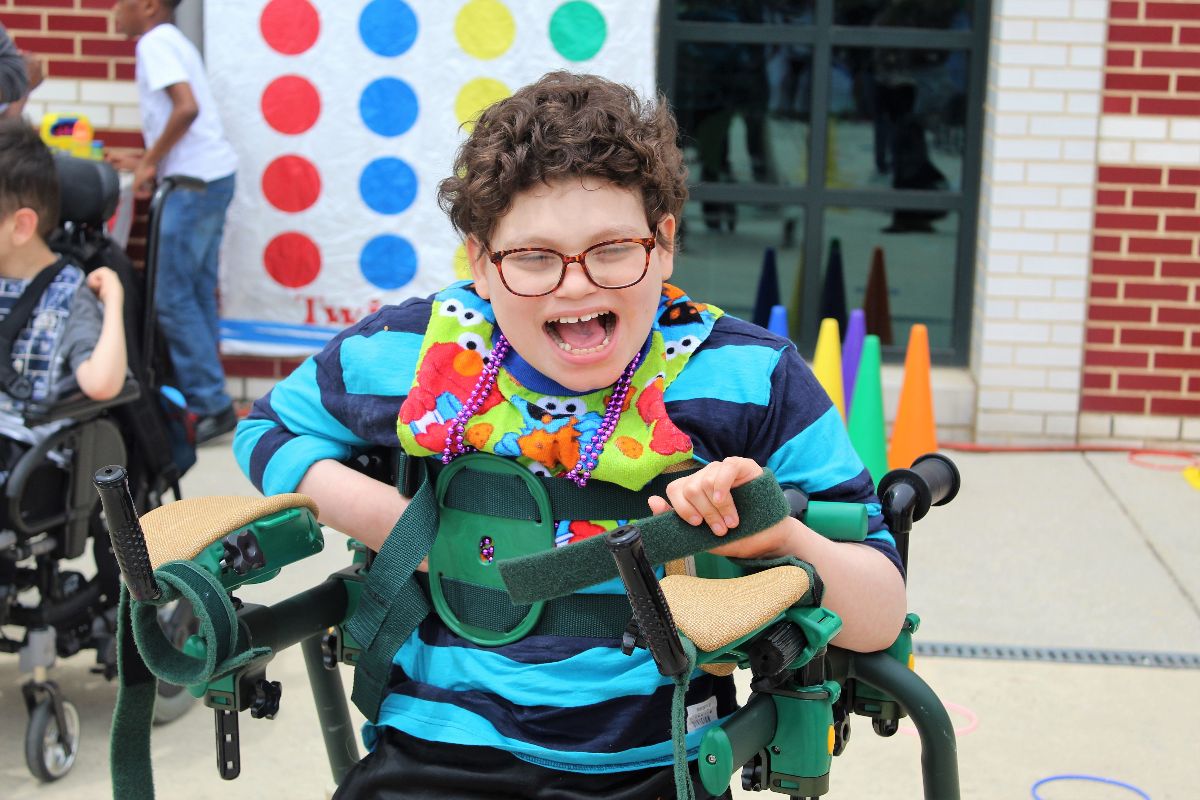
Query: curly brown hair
(565,124)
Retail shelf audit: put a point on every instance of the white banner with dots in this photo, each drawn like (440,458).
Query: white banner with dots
(346,114)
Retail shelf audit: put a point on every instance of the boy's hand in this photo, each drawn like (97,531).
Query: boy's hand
(143,179)
(704,496)
(107,286)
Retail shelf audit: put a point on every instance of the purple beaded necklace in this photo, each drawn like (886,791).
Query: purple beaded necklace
(456,444)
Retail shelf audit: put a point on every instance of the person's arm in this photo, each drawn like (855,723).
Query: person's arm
(358,506)
(755,400)
(184,111)
(340,402)
(102,375)
(862,586)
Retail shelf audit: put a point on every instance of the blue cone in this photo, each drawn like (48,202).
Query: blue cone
(778,323)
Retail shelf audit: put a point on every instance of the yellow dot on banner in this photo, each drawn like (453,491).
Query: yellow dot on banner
(485,28)
(462,268)
(475,96)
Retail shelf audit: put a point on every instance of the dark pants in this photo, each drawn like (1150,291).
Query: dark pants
(404,768)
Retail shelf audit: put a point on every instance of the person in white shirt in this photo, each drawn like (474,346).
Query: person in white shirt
(184,136)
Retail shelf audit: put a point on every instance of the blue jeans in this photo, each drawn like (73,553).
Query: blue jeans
(186,293)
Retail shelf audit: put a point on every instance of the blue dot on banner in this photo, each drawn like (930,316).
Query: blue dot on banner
(388,27)
(388,185)
(388,262)
(388,106)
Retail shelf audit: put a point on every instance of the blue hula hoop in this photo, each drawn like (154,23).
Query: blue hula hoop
(1090,779)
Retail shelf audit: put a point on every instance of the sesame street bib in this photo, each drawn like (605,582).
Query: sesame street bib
(550,434)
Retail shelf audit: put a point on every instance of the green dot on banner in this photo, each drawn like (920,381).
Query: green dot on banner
(578,30)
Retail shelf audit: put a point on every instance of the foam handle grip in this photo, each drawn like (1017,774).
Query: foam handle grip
(650,608)
(128,541)
(940,475)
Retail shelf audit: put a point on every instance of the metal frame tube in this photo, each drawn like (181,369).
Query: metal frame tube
(939,752)
(332,710)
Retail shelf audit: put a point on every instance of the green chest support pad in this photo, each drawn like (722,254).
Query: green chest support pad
(463,563)
(555,573)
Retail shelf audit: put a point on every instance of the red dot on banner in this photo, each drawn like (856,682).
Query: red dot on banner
(290,26)
(291,104)
(293,260)
(291,183)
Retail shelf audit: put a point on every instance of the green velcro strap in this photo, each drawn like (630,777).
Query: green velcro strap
(217,618)
(684,790)
(559,572)
(129,740)
(392,604)
(601,616)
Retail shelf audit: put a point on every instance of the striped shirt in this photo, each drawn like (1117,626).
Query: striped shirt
(568,703)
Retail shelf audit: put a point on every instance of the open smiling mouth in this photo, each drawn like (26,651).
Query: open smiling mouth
(582,335)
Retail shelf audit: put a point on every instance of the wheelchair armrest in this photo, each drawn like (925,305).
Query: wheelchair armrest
(78,406)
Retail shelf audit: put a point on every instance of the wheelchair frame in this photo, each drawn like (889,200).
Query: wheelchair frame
(73,614)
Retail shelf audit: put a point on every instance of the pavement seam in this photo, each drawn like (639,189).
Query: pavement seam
(1145,537)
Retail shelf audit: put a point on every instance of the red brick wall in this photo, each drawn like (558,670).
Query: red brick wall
(1142,354)
(1153,60)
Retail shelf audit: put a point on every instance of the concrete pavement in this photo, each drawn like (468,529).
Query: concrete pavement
(1064,550)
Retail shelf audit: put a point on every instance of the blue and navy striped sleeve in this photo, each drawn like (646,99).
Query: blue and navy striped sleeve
(341,401)
(746,392)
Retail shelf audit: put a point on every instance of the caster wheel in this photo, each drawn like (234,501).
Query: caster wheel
(885,727)
(49,752)
(178,622)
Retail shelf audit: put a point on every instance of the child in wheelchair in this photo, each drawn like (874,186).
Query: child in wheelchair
(64,376)
(567,353)
(73,337)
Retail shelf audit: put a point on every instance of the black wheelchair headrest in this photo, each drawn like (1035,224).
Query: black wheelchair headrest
(88,190)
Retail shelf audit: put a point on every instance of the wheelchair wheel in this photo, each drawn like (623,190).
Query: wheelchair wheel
(172,701)
(49,753)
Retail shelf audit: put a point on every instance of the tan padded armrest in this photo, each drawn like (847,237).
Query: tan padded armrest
(181,530)
(714,612)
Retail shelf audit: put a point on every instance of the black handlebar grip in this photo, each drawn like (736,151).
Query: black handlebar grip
(650,608)
(940,475)
(128,541)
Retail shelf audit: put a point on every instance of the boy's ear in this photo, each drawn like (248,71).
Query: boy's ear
(477,261)
(25,226)
(666,254)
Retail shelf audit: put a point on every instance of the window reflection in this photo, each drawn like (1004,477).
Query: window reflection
(780,12)
(744,113)
(899,118)
(919,267)
(903,13)
(722,267)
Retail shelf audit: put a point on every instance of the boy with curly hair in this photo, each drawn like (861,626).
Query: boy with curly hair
(569,354)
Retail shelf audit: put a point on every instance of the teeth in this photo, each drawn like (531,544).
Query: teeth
(585,318)
(566,347)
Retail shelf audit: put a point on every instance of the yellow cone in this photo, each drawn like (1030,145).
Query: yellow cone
(827,363)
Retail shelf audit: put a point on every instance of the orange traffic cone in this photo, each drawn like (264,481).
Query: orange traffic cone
(914,433)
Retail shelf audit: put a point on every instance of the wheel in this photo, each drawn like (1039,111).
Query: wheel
(47,756)
(885,727)
(178,622)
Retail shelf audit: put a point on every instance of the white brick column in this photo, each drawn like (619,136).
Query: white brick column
(1036,204)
